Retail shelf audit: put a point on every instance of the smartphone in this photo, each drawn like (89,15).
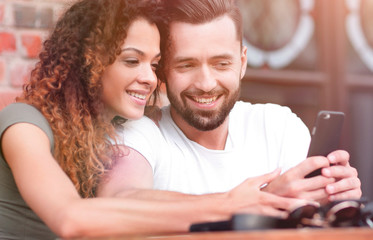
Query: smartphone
(325,135)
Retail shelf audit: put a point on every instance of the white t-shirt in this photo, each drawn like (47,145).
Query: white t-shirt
(261,138)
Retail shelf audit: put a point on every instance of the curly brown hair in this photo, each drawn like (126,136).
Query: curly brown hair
(66,83)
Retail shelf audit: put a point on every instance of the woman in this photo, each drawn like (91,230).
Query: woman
(98,63)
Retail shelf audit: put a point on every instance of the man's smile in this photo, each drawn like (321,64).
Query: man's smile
(205,100)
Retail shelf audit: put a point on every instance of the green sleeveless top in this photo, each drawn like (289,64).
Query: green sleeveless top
(17,220)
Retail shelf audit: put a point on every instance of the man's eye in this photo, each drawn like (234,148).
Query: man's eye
(186,65)
(222,65)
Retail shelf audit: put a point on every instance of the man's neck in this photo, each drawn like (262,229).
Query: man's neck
(214,139)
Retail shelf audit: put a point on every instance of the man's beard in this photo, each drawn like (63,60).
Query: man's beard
(204,120)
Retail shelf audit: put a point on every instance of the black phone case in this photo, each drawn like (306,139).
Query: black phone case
(325,135)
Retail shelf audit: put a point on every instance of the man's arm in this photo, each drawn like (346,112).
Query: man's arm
(132,177)
(336,182)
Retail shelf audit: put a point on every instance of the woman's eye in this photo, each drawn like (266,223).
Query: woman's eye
(131,62)
(155,66)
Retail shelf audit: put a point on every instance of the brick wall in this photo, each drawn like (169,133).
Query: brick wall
(24,25)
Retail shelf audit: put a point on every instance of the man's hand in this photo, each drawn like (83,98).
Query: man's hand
(248,197)
(347,184)
(336,182)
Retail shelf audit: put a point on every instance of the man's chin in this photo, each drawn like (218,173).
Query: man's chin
(206,127)
(205,115)
(204,123)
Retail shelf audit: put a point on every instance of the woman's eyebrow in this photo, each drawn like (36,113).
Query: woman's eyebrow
(133,49)
(138,51)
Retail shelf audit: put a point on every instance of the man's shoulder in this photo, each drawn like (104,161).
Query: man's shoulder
(151,118)
(145,126)
(139,123)
(267,114)
(242,107)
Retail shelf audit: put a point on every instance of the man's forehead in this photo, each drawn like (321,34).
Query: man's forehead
(208,39)
(222,21)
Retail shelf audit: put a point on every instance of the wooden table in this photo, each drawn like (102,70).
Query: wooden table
(293,234)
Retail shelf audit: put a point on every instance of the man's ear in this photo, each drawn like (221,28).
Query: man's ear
(243,61)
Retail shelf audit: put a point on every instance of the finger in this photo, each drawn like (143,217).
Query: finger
(352,194)
(266,210)
(343,185)
(279,202)
(303,188)
(316,195)
(314,183)
(339,172)
(307,166)
(274,212)
(340,157)
(266,178)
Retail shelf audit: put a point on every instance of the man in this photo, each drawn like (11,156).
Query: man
(207,142)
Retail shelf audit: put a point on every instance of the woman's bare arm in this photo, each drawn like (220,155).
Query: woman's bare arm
(52,196)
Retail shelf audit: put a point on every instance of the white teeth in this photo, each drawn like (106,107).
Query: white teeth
(133,94)
(205,100)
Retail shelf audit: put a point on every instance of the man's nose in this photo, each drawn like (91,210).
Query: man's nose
(205,79)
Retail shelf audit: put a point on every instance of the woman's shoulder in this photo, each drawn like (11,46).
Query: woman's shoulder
(23,113)
(18,108)
(20,112)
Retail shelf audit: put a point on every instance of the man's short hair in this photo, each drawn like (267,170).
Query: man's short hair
(203,11)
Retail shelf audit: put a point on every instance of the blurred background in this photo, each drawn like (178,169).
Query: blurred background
(310,55)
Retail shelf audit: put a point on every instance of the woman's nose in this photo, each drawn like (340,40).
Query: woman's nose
(148,75)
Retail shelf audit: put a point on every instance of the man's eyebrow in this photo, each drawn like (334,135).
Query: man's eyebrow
(138,51)
(188,59)
(223,56)
(183,59)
